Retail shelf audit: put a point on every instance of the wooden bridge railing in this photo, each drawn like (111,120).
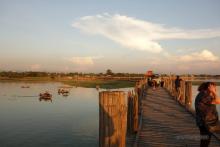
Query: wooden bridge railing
(185,91)
(134,106)
(185,95)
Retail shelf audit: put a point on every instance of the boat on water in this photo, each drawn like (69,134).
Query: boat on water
(45,95)
(25,86)
(63,91)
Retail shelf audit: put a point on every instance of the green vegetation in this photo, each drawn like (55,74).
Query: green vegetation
(107,84)
(108,80)
(12,74)
(26,79)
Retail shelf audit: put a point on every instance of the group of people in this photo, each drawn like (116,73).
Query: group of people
(155,82)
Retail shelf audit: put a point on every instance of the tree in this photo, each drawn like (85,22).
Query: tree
(109,72)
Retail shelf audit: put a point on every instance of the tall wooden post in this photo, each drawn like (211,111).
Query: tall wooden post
(182,91)
(132,115)
(173,91)
(171,86)
(188,94)
(130,112)
(112,119)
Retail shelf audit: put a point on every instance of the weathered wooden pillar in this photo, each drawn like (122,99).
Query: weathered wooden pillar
(135,114)
(188,94)
(132,115)
(166,83)
(112,119)
(139,96)
(171,85)
(129,112)
(182,91)
(173,90)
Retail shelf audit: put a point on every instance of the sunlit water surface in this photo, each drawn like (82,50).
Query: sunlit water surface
(64,121)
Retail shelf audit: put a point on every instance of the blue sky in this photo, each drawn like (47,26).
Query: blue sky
(125,36)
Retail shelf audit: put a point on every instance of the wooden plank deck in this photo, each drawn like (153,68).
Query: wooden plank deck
(166,123)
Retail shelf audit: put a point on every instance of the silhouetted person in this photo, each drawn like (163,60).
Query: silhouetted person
(177,87)
(206,113)
(149,82)
(162,82)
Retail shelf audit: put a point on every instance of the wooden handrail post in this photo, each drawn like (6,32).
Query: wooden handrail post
(182,92)
(132,117)
(112,119)
(188,94)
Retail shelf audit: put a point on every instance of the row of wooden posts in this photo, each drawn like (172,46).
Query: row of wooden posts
(119,112)
(185,91)
(119,115)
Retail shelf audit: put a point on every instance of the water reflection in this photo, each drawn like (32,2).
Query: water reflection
(25,120)
(45,99)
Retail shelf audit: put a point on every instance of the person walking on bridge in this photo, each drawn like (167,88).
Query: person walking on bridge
(177,87)
(206,113)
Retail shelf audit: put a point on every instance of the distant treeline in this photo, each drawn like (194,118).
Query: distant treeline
(108,73)
(11,74)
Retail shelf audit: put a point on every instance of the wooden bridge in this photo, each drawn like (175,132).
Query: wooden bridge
(166,123)
(154,118)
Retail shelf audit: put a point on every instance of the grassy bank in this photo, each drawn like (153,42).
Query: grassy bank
(107,84)
(28,79)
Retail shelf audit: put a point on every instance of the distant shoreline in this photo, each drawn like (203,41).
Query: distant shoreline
(107,84)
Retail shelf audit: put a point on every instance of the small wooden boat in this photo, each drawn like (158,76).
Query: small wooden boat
(63,91)
(45,95)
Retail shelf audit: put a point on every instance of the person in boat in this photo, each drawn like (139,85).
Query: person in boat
(45,95)
(206,114)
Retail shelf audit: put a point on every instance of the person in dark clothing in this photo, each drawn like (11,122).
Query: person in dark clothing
(206,113)
(149,82)
(162,82)
(177,87)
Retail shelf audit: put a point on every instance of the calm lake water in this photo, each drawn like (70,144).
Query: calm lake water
(66,121)
(195,92)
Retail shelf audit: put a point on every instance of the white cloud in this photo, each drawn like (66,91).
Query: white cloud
(82,61)
(204,55)
(135,33)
